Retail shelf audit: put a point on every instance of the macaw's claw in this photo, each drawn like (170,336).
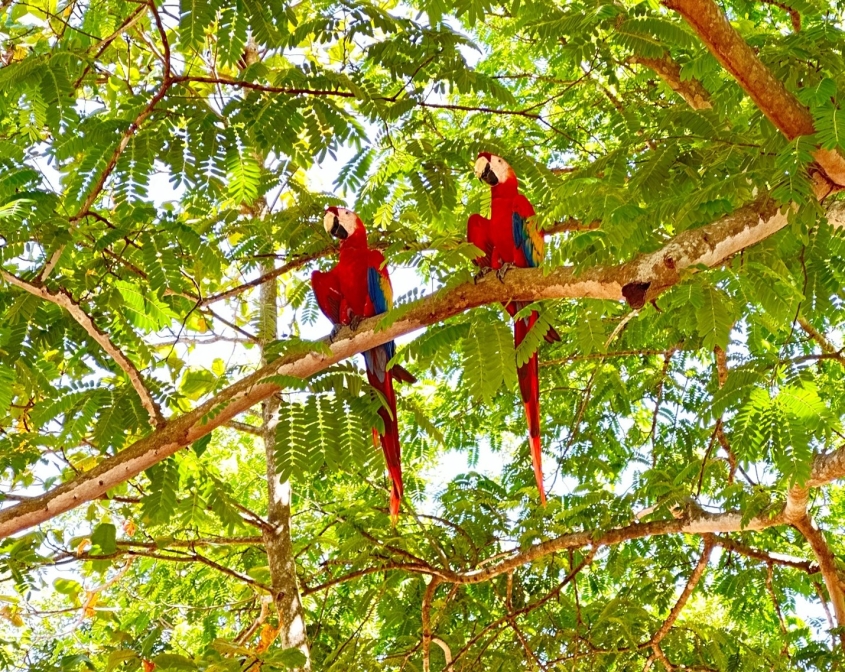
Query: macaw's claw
(503,271)
(482,272)
(354,322)
(334,332)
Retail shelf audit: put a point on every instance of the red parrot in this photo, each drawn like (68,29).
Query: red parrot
(510,238)
(358,287)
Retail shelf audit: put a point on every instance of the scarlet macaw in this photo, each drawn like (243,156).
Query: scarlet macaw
(510,238)
(358,287)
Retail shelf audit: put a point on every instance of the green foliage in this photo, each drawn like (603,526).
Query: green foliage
(155,194)
(489,359)
(159,503)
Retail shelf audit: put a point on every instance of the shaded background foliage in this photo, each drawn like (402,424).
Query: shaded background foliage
(155,156)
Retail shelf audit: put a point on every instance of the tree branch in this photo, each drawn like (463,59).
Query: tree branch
(827,564)
(691,90)
(780,106)
(244,427)
(566,225)
(826,346)
(693,580)
(709,245)
(766,556)
(428,598)
(63,299)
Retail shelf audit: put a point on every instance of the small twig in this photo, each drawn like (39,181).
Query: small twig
(770,586)
(243,427)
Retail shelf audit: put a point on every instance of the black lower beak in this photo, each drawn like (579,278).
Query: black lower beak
(489,176)
(337,230)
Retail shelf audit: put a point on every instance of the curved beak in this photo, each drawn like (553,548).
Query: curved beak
(484,172)
(337,230)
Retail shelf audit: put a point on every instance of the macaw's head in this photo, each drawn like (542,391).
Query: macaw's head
(493,170)
(342,223)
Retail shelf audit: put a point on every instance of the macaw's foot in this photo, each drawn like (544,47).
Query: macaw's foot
(354,322)
(503,270)
(334,332)
(482,272)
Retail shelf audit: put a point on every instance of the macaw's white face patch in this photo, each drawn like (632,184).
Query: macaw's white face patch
(340,222)
(492,170)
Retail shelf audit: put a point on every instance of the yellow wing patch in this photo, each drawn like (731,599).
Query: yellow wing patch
(538,243)
(387,289)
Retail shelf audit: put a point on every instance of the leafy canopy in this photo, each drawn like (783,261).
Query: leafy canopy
(155,157)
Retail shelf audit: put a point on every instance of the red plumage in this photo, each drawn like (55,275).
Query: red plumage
(358,287)
(508,238)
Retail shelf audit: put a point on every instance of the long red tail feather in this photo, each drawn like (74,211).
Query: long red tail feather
(529,387)
(390,438)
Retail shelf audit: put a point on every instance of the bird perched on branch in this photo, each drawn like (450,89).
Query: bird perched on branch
(358,287)
(511,238)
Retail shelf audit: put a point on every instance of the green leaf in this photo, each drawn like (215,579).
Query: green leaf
(289,658)
(174,661)
(243,173)
(160,502)
(118,657)
(736,390)
(201,445)
(105,537)
(143,310)
(830,126)
(714,319)
(195,17)
(67,586)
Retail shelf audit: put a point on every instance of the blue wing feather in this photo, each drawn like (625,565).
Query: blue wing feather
(378,288)
(522,239)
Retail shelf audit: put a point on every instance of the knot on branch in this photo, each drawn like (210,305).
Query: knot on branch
(635,293)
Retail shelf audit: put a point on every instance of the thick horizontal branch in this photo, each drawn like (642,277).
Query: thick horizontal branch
(709,245)
(782,108)
(565,226)
(63,299)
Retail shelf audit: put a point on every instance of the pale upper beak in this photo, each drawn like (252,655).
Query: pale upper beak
(337,230)
(334,227)
(484,172)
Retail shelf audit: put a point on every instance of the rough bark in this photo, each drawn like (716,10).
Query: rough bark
(277,536)
(709,245)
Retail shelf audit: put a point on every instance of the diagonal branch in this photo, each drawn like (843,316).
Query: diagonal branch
(691,90)
(709,245)
(695,577)
(828,349)
(827,564)
(65,300)
(780,106)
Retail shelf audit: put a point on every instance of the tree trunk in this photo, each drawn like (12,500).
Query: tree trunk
(277,540)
